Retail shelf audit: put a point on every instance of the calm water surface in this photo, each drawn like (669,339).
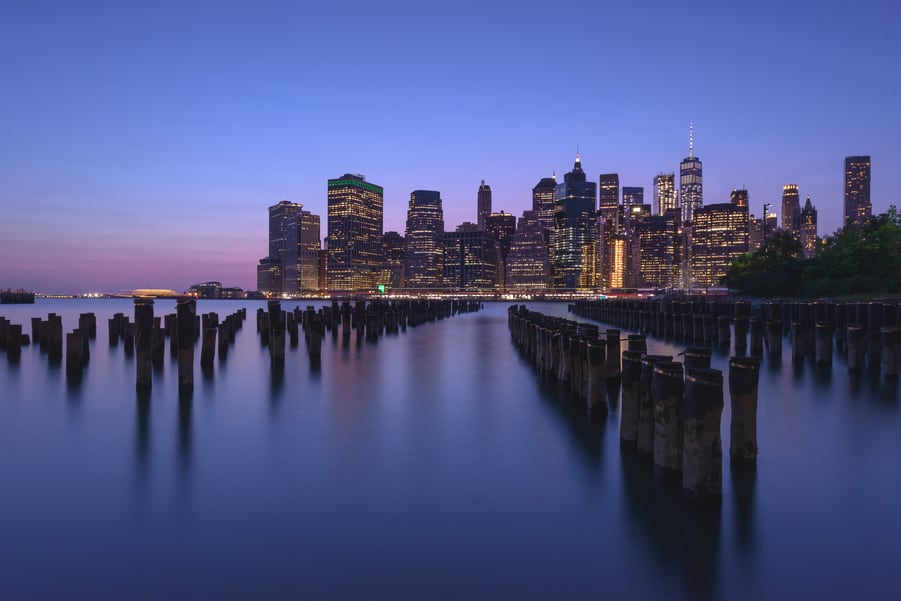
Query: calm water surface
(434,464)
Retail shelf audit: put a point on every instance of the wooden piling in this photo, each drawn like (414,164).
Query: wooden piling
(743,381)
(702,450)
(645,443)
(667,388)
(631,374)
(143,331)
(186,309)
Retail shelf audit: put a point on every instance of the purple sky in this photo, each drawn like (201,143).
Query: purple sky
(141,145)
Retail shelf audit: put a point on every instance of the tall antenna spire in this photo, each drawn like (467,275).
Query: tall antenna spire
(691,139)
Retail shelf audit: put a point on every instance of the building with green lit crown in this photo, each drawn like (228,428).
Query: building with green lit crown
(355,228)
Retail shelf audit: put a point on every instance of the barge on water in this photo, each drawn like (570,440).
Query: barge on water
(9,297)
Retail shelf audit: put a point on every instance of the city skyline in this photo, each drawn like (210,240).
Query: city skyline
(141,149)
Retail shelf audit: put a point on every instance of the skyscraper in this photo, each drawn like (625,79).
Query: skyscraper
(658,243)
(691,180)
(395,257)
(355,224)
(632,195)
(527,262)
(502,227)
(857,190)
(424,240)
(470,260)
(808,235)
(608,196)
(791,210)
(575,232)
(543,202)
(665,197)
(277,273)
(301,263)
(719,235)
(484,204)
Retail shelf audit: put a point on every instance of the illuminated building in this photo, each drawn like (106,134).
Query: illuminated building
(280,216)
(424,240)
(791,210)
(527,262)
(470,260)
(301,263)
(633,195)
(269,276)
(755,234)
(691,188)
(484,204)
(665,197)
(857,190)
(618,253)
(719,235)
(355,218)
(809,229)
(739,198)
(395,256)
(502,226)
(657,248)
(608,197)
(543,195)
(575,232)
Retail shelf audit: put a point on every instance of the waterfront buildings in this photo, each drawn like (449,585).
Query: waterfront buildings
(395,257)
(355,227)
(543,203)
(301,262)
(857,190)
(293,262)
(719,235)
(527,262)
(691,188)
(424,240)
(501,226)
(470,260)
(484,204)
(575,232)
(665,197)
(658,242)
(608,197)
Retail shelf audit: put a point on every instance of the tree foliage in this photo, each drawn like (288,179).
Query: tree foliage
(858,259)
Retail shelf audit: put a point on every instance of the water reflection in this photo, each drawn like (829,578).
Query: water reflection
(683,535)
(185,427)
(744,483)
(142,431)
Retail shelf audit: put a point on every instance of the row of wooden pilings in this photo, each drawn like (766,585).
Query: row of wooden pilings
(670,411)
(144,338)
(370,319)
(867,334)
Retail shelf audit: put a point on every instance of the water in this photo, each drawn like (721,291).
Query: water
(433,464)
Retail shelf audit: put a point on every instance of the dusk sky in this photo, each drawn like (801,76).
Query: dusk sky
(141,143)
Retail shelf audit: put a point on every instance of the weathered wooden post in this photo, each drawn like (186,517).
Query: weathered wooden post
(756,336)
(612,366)
(184,333)
(799,341)
(637,343)
(128,337)
(697,357)
(143,331)
(891,352)
(276,333)
(208,346)
(631,373)
(702,450)
(13,342)
(157,343)
(645,443)
(35,329)
(823,344)
(724,325)
(743,379)
(667,388)
(774,337)
(54,338)
(74,346)
(857,346)
(597,381)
